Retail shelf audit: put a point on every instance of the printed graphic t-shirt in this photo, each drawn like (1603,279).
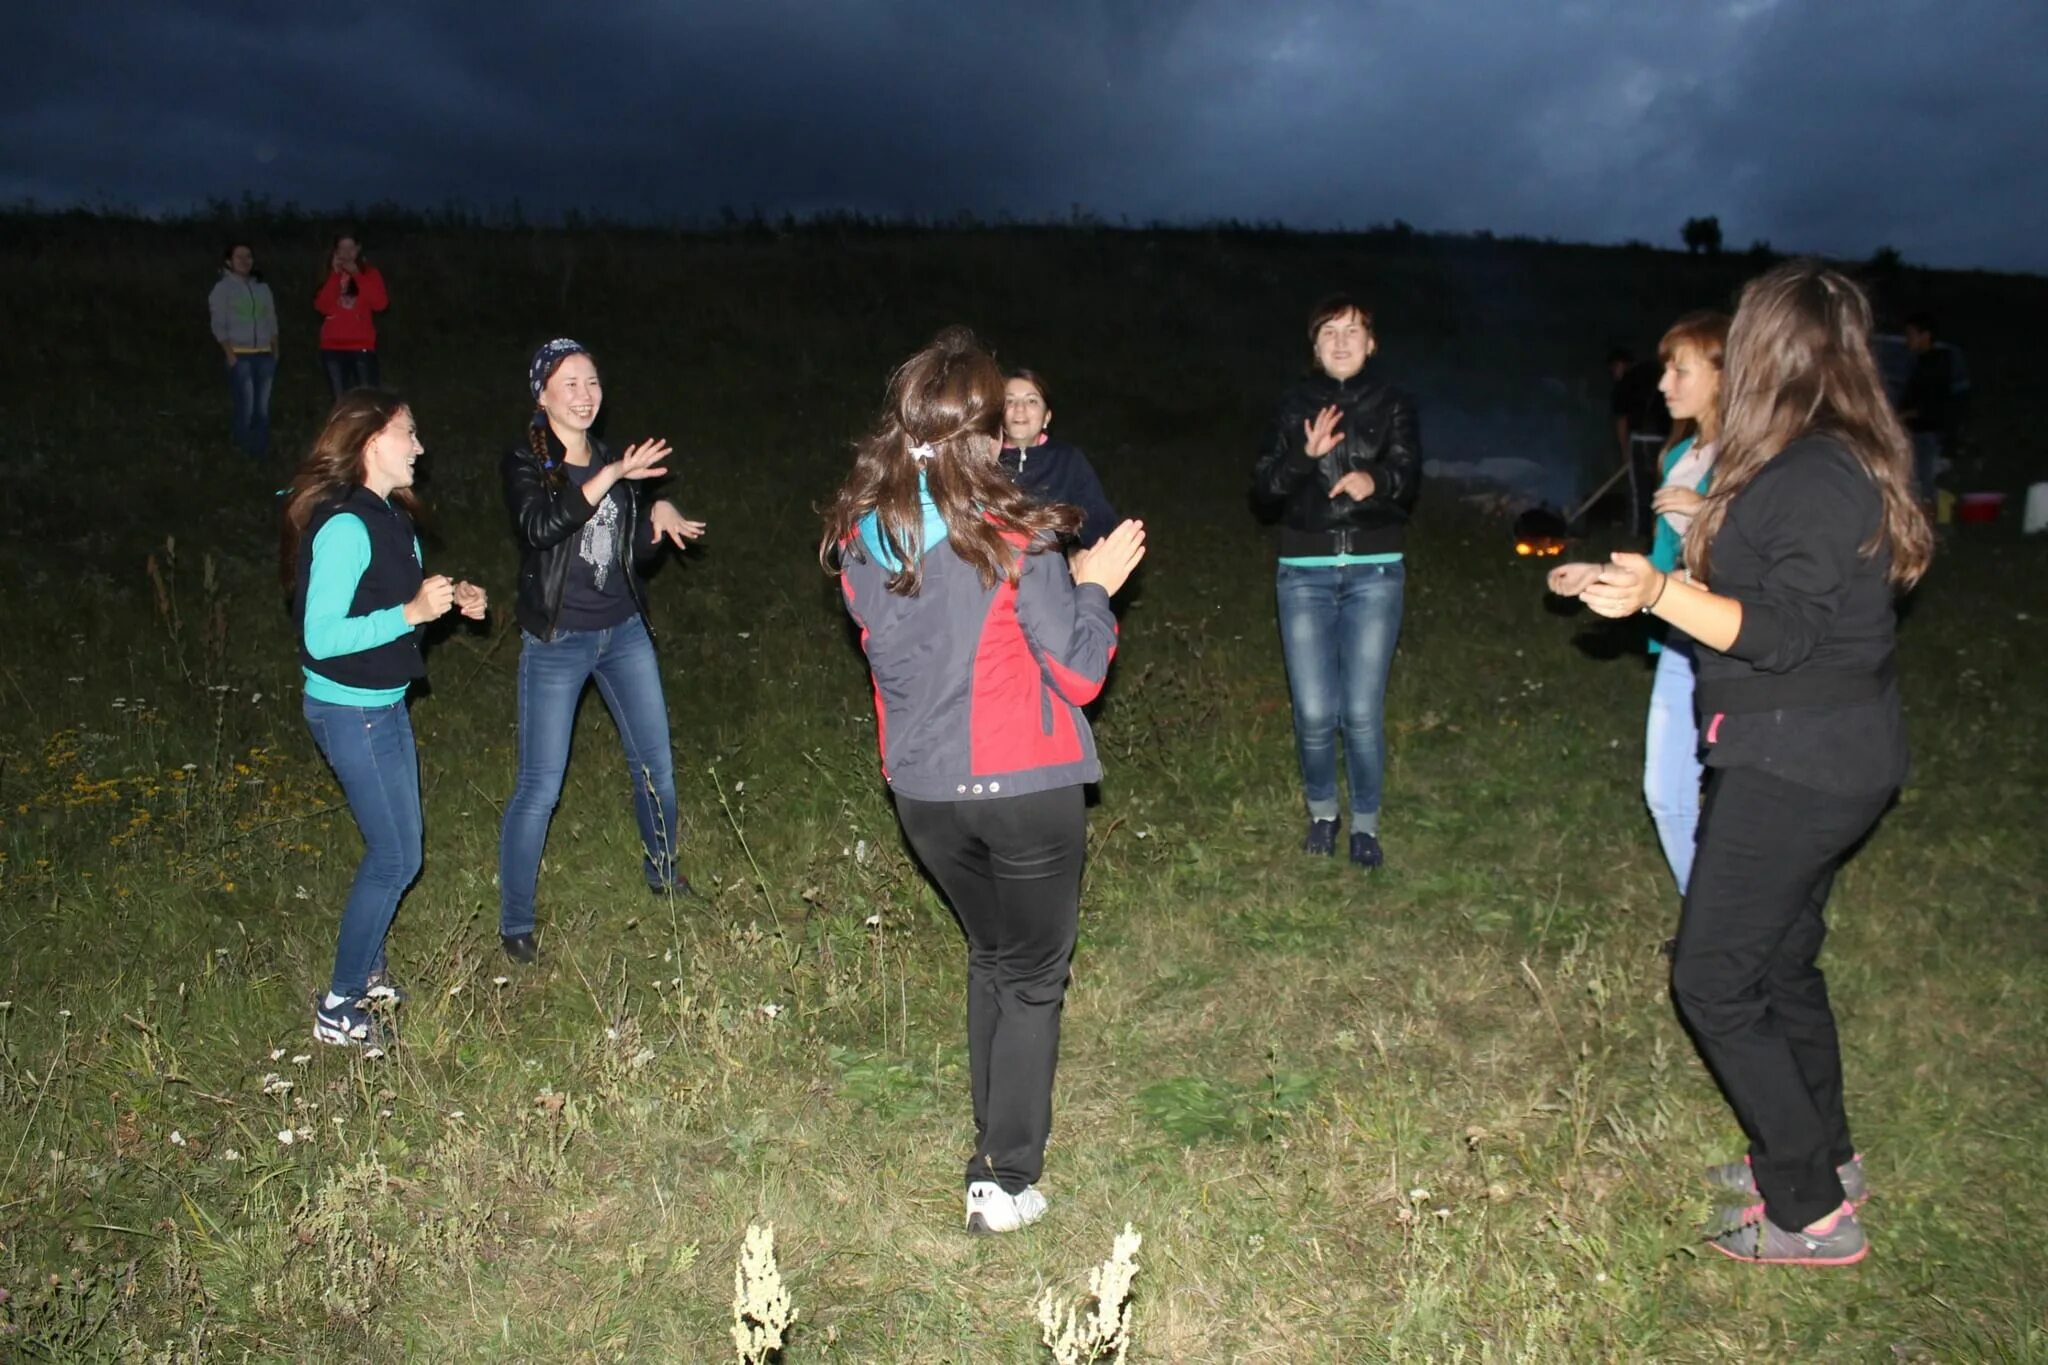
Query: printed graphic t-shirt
(595,596)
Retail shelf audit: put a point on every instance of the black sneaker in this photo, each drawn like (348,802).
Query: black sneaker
(521,948)
(1365,849)
(1322,838)
(680,886)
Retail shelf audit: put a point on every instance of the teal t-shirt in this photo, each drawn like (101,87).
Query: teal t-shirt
(1666,545)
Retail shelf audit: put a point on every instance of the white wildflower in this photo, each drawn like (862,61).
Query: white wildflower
(286,1136)
(501,981)
(274,1084)
(873,921)
(301,894)
(177,1138)
(455,989)
(302,1059)
(231,1154)
(1105,1333)
(371,1054)
(276,1053)
(255,697)
(1418,1194)
(771,1009)
(761,1308)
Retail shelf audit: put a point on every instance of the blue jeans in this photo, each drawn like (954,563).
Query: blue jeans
(371,751)
(1337,631)
(1927,450)
(349,370)
(551,679)
(1671,758)
(249,381)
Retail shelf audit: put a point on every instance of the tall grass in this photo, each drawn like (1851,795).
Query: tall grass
(1444,1113)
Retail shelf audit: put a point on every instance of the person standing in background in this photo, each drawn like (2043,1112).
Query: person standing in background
(1047,468)
(1925,405)
(349,300)
(244,317)
(1641,425)
(1341,473)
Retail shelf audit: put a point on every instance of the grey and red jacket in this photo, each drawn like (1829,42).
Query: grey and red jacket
(978,691)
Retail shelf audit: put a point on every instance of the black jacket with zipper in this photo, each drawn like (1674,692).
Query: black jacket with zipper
(548,512)
(1379,435)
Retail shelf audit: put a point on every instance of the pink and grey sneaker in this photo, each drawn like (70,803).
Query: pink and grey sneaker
(1748,1235)
(1737,1179)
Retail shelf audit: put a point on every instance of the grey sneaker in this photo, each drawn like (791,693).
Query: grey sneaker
(1735,1178)
(1747,1235)
(991,1209)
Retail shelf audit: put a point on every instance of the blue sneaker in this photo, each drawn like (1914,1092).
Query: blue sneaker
(1365,849)
(1322,838)
(349,1024)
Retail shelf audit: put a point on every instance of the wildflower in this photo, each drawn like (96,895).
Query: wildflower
(873,921)
(771,1009)
(501,981)
(761,1308)
(177,1138)
(739,786)
(1105,1333)
(302,1059)
(231,1155)
(255,697)
(276,1053)
(370,1054)
(1418,1194)
(744,634)
(301,894)
(274,1084)
(455,989)
(63,1014)
(286,1137)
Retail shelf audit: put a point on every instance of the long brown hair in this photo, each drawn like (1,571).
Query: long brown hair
(949,396)
(1798,364)
(1705,334)
(334,466)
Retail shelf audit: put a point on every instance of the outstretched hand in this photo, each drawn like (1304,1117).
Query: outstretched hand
(1109,561)
(672,526)
(1569,580)
(644,461)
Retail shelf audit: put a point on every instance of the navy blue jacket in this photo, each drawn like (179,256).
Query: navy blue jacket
(1053,471)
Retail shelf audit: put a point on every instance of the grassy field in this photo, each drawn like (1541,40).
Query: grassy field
(1442,1114)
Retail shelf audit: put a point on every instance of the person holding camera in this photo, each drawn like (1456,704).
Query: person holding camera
(348,301)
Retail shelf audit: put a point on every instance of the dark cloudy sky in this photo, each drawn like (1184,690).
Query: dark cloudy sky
(1831,125)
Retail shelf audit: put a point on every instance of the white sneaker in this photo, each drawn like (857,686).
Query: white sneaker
(989,1209)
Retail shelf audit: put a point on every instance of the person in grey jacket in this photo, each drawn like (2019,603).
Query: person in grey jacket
(985,644)
(244,317)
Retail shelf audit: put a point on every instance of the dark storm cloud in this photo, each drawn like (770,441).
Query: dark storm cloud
(1813,125)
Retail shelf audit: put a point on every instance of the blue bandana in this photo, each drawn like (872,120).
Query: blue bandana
(545,360)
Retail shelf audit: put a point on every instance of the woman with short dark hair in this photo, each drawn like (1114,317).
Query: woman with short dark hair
(1341,474)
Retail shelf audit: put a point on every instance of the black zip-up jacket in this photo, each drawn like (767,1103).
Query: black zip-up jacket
(548,512)
(1055,472)
(1380,436)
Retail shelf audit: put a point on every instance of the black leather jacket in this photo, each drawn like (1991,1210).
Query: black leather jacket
(548,513)
(1379,436)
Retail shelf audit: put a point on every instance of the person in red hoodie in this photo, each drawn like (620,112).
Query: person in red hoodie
(349,300)
(985,644)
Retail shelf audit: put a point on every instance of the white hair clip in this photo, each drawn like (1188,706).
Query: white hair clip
(922,453)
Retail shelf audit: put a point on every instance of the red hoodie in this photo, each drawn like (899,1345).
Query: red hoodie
(349,325)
